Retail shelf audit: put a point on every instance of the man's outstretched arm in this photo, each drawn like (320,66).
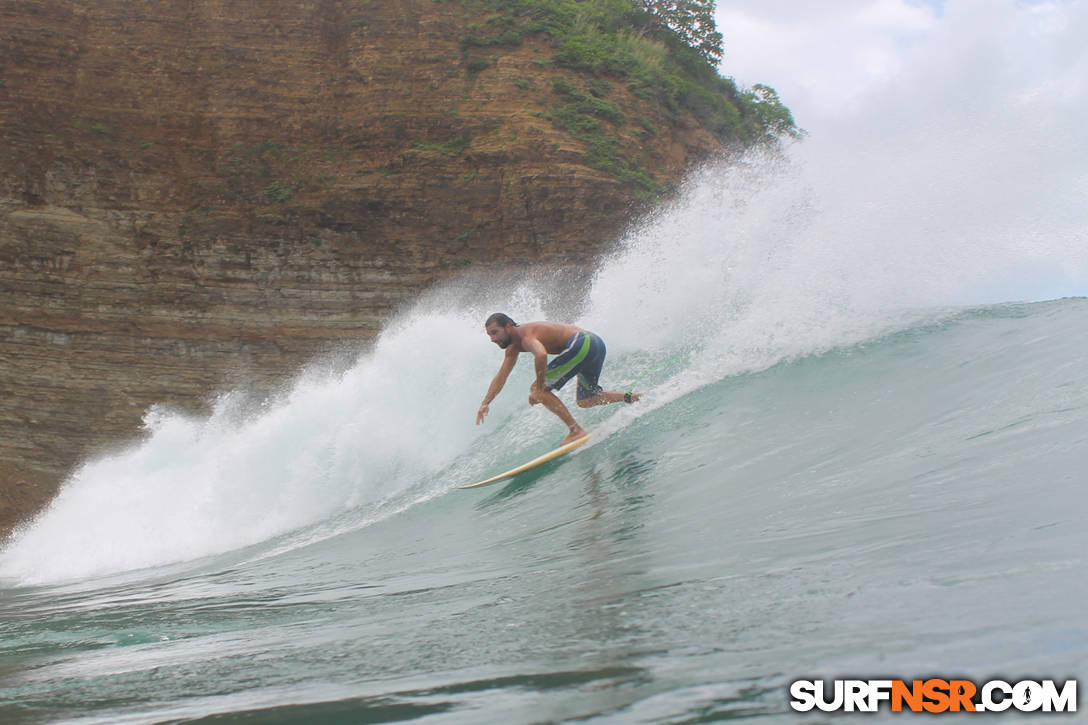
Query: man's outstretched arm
(496,385)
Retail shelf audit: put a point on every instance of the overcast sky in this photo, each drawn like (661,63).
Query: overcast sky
(975,110)
(836,58)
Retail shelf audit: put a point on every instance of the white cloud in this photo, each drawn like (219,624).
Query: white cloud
(822,54)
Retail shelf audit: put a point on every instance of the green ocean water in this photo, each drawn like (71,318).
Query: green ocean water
(904,503)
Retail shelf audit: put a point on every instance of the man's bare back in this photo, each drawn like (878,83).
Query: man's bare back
(554,336)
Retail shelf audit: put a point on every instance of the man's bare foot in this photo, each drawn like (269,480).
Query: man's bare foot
(575,435)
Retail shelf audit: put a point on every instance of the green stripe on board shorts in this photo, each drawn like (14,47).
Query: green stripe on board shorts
(584,357)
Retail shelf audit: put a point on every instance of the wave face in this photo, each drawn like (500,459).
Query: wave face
(837,467)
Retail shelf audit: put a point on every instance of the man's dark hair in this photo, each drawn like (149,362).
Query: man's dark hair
(503,320)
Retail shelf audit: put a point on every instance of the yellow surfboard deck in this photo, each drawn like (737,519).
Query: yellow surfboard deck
(533,463)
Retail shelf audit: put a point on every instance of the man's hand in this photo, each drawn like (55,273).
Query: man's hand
(482,413)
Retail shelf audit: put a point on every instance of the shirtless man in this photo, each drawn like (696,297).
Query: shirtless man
(577,352)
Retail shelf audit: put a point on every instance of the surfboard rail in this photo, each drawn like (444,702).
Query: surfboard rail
(550,455)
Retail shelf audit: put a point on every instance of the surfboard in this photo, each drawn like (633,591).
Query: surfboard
(551,455)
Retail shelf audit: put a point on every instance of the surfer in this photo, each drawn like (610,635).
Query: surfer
(578,352)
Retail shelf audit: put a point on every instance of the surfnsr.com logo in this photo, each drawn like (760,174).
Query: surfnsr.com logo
(933,695)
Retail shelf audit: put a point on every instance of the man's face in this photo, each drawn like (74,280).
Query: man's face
(498,334)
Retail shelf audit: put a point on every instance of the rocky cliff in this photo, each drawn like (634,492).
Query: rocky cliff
(196,194)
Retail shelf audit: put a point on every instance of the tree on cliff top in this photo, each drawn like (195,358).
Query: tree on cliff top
(692,20)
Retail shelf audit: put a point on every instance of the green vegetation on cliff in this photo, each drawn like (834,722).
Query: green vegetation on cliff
(622,39)
(663,51)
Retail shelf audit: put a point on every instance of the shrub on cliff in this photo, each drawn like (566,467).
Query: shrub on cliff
(665,50)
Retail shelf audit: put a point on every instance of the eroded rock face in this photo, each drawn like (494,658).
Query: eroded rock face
(198,194)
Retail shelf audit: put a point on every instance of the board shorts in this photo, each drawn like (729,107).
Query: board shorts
(584,357)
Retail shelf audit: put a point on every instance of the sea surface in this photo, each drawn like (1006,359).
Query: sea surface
(840,468)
